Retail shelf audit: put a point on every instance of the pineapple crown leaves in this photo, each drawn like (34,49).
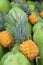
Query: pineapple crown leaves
(18,26)
(1,21)
(16,1)
(38,6)
(1,18)
(25,8)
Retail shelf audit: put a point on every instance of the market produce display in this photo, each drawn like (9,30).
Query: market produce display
(21,32)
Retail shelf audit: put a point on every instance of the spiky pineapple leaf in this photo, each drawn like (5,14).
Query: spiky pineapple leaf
(18,27)
(1,21)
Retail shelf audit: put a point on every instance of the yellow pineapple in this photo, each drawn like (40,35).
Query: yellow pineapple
(5,38)
(32,18)
(22,1)
(41,14)
(29,49)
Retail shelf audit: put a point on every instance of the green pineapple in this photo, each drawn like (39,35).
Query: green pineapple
(17,24)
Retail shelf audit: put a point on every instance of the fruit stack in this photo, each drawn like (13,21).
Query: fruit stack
(21,32)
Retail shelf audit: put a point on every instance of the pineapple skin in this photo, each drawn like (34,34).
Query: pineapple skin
(41,14)
(29,49)
(5,38)
(32,18)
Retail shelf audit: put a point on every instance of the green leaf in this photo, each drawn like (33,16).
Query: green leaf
(19,26)
(15,48)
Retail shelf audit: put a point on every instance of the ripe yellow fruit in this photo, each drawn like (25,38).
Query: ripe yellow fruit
(32,18)
(41,14)
(5,38)
(22,1)
(29,49)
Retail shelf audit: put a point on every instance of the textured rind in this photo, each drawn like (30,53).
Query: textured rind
(5,38)
(41,14)
(29,49)
(32,18)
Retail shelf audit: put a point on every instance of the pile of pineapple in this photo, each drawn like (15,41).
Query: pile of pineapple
(21,33)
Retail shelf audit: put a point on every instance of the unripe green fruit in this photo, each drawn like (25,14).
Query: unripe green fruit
(38,39)
(4,5)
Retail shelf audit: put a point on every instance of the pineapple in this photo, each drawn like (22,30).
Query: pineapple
(29,49)
(41,14)
(31,17)
(39,9)
(22,1)
(5,38)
